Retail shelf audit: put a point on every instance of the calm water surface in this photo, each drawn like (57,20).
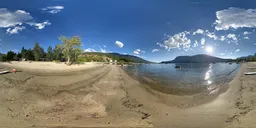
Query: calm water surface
(192,75)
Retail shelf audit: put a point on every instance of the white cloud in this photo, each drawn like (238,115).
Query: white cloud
(11,19)
(232,36)
(235,18)
(104,46)
(137,51)
(119,44)
(238,50)
(89,50)
(246,38)
(103,50)
(246,33)
(202,41)
(222,38)
(211,35)
(195,44)
(254,44)
(15,30)
(53,9)
(40,25)
(155,50)
(222,54)
(198,31)
(176,41)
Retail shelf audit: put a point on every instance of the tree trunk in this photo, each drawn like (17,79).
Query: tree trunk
(68,59)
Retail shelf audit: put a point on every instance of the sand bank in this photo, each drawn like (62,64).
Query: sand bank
(105,96)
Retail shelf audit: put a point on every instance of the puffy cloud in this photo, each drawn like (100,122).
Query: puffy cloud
(137,51)
(247,33)
(246,38)
(202,41)
(222,38)
(238,50)
(93,50)
(104,46)
(211,35)
(103,50)
(11,19)
(233,37)
(235,18)
(198,31)
(119,44)
(40,25)
(176,41)
(155,50)
(89,50)
(222,54)
(53,9)
(195,44)
(15,30)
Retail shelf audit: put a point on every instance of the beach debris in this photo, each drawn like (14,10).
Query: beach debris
(177,66)
(4,72)
(250,73)
(14,70)
(183,105)
(145,115)
(140,105)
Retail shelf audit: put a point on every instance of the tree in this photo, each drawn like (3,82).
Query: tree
(23,51)
(76,53)
(57,52)
(29,55)
(10,56)
(49,54)
(2,57)
(70,47)
(38,52)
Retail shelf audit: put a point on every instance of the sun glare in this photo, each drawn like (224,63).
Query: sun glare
(209,49)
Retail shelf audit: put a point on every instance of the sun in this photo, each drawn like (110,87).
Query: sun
(209,49)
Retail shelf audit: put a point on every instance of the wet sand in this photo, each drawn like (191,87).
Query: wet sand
(105,96)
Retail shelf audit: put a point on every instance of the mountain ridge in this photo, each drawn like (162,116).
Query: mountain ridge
(200,58)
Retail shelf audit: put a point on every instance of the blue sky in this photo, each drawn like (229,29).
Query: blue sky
(154,30)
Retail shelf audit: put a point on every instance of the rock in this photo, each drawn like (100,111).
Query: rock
(145,115)
(140,105)
(177,66)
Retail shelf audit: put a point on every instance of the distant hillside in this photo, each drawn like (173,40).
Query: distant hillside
(197,59)
(118,57)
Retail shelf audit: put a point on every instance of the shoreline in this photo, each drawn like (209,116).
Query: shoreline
(109,97)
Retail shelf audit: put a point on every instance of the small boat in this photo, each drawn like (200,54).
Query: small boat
(3,72)
(178,66)
(250,73)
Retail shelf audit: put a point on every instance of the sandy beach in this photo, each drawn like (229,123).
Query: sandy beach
(44,94)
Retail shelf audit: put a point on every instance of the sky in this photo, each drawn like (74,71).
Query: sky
(151,29)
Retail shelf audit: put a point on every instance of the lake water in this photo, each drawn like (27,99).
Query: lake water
(192,77)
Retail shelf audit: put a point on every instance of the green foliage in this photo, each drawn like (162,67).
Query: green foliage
(23,52)
(57,52)
(49,54)
(71,47)
(10,56)
(38,52)
(97,56)
(3,57)
(29,55)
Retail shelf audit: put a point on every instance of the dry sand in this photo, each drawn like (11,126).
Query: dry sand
(95,95)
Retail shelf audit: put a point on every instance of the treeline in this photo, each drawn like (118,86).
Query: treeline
(247,58)
(68,51)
